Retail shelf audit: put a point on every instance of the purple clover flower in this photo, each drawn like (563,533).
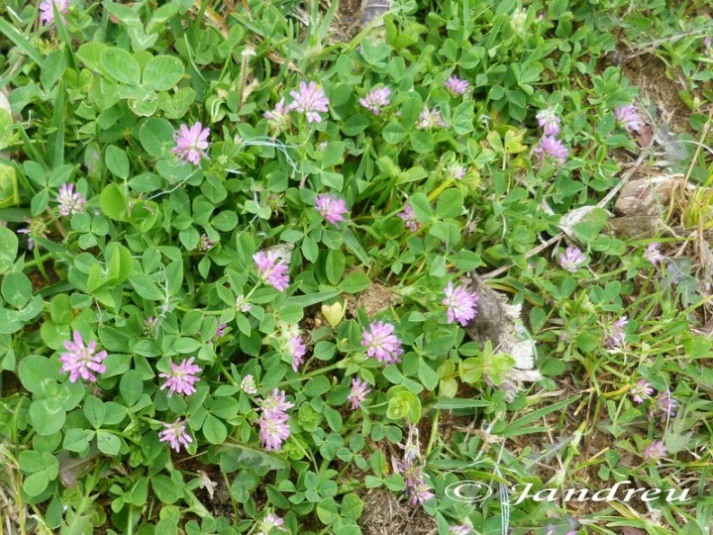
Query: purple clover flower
(309,99)
(461,529)
(175,434)
(549,122)
(655,450)
(272,269)
(279,113)
(182,378)
(552,147)
(629,117)
(80,360)
(461,304)
(653,254)
(298,350)
(47,11)
(382,343)
(430,119)
(331,208)
(457,171)
(641,391)
(191,143)
(416,488)
(270,522)
(358,393)
(572,259)
(36,228)
(376,99)
(409,218)
(273,421)
(456,85)
(666,403)
(70,202)
(616,337)
(220,331)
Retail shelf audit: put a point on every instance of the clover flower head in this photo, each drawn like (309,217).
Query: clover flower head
(242,304)
(182,377)
(272,269)
(461,529)
(461,304)
(358,393)
(248,386)
(273,430)
(309,99)
(82,361)
(641,391)
(276,402)
(175,434)
(409,218)
(36,228)
(381,343)
(70,202)
(331,208)
(457,171)
(270,522)
(572,259)
(430,119)
(191,143)
(656,450)
(279,116)
(629,117)
(653,254)
(47,10)
(456,85)
(376,99)
(666,403)
(616,337)
(298,348)
(552,147)
(549,122)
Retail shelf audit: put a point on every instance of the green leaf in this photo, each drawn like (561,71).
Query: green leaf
(146,287)
(94,411)
(450,203)
(47,416)
(113,203)
(117,162)
(77,440)
(352,506)
(108,443)
(355,282)
(8,248)
(16,289)
(131,387)
(121,66)
(403,404)
(6,128)
(90,54)
(328,511)
(163,72)
(394,133)
(53,68)
(156,137)
(37,373)
(334,266)
(214,430)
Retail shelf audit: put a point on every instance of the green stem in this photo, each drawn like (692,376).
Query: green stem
(434,432)
(312,374)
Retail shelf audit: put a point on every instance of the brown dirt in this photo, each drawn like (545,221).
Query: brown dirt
(649,74)
(376,298)
(385,514)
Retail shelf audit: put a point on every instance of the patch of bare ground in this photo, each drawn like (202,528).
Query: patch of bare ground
(376,298)
(385,514)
